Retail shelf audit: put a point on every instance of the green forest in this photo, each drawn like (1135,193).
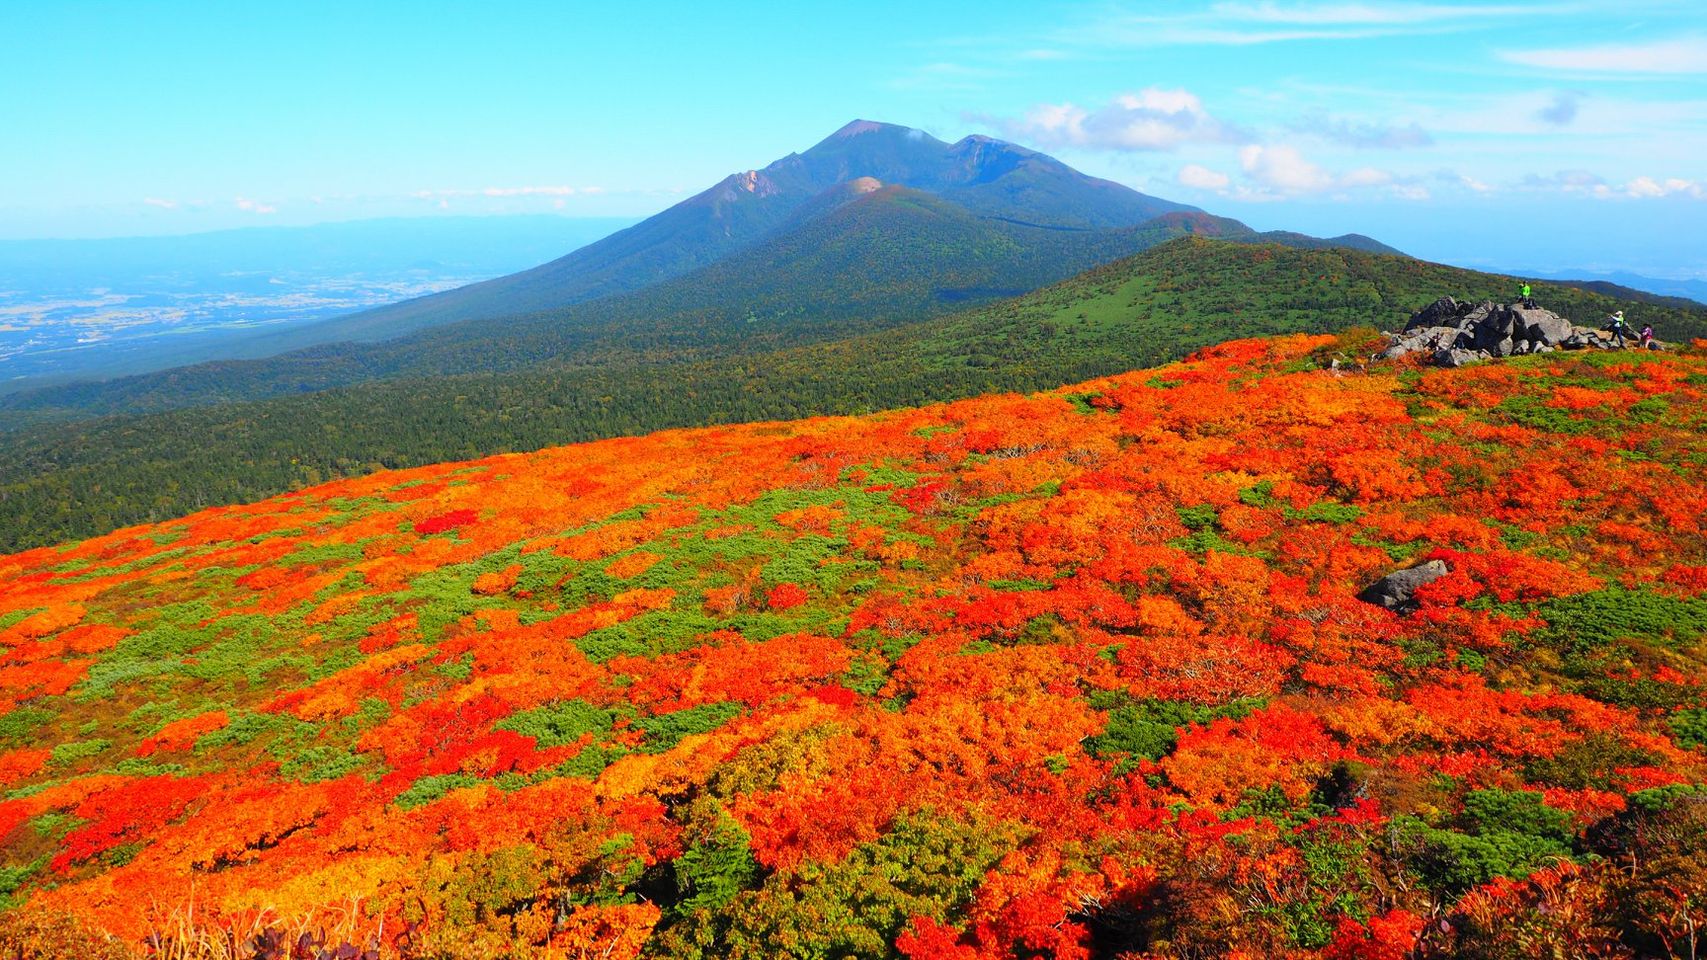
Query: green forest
(67,481)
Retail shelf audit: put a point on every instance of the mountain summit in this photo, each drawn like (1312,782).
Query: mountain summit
(988,178)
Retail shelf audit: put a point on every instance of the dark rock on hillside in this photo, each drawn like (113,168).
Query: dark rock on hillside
(1454,333)
(1396,590)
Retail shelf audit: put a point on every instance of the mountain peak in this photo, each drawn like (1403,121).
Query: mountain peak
(856,127)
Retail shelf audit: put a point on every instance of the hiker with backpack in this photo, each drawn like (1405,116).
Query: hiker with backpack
(1647,336)
(1617,327)
(1524,298)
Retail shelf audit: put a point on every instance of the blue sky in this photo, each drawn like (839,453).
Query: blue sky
(1515,134)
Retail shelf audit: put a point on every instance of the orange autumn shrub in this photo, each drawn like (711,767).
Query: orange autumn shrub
(1086,673)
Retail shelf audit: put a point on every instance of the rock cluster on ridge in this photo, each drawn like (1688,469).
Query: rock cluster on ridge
(1456,333)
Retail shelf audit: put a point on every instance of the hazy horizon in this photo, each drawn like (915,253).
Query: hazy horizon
(1522,132)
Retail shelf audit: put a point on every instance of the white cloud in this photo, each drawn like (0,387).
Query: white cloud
(1365,13)
(501,192)
(943,76)
(162,204)
(1463,180)
(1199,177)
(1681,55)
(255,206)
(1365,177)
(1638,188)
(529,191)
(1151,119)
(1250,23)
(1364,134)
(1563,109)
(1283,169)
(1648,188)
(1566,181)
(1280,171)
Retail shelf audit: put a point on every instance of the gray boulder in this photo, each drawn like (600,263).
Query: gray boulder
(1477,315)
(1457,356)
(1419,339)
(1396,590)
(1441,313)
(1493,328)
(1541,326)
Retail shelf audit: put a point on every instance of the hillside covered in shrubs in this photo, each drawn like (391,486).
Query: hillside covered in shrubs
(1078,674)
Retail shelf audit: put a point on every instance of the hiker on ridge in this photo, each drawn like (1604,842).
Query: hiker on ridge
(1647,336)
(1616,326)
(1524,297)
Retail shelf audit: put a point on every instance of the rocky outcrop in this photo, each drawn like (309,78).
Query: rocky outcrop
(1453,333)
(1396,590)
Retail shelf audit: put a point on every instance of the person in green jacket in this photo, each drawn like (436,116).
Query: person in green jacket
(1523,296)
(1617,327)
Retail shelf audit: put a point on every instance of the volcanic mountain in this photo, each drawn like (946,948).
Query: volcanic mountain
(987,177)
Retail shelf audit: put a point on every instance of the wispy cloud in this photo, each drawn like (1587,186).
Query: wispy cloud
(1466,181)
(1682,55)
(162,204)
(1283,169)
(255,206)
(1150,119)
(1364,135)
(1246,23)
(529,191)
(1584,183)
(1280,171)
(1562,110)
(1199,177)
(546,191)
(944,75)
(1368,13)
(1648,188)
(1565,181)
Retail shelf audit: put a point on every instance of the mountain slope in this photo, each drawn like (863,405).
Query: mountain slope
(872,258)
(1074,674)
(986,176)
(1609,289)
(65,481)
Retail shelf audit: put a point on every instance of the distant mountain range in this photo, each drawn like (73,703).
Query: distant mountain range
(773,293)
(1629,286)
(875,226)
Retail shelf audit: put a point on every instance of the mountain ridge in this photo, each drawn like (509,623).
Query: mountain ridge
(868,259)
(744,207)
(90,476)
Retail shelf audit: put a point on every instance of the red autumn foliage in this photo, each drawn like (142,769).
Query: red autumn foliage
(1012,676)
